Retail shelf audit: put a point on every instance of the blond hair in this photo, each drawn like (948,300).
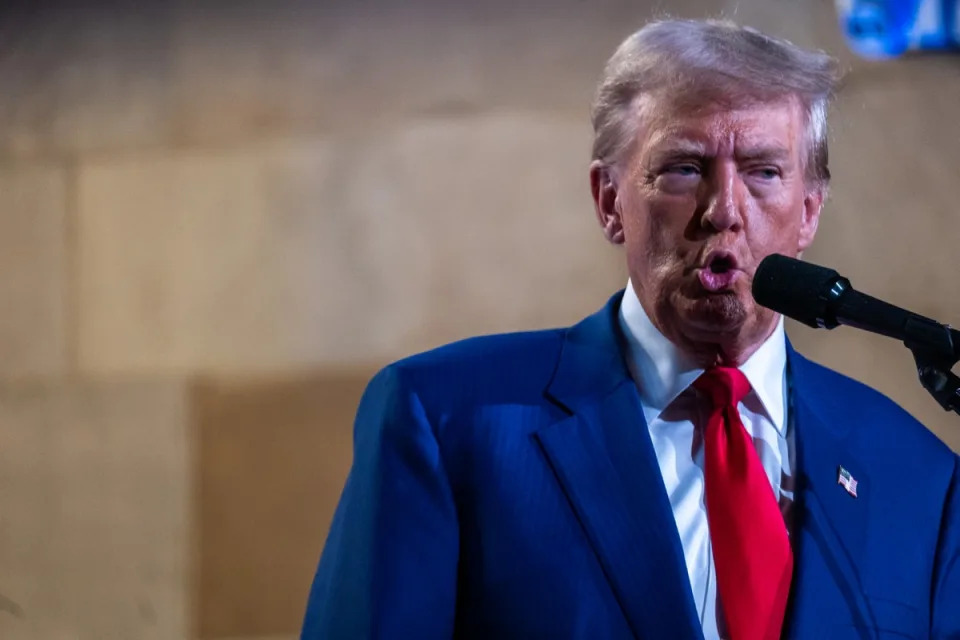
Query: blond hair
(711,61)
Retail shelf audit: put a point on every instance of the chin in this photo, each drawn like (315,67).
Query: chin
(723,313)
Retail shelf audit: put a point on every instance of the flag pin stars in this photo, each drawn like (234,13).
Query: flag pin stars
(847,481)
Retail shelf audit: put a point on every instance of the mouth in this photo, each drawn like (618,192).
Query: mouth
(719,271)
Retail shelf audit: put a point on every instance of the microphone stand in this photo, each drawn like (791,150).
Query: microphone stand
(936,349)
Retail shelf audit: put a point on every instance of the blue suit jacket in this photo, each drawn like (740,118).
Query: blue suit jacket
(505,487)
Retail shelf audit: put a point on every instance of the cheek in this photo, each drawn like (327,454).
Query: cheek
(779,220)
(654,234)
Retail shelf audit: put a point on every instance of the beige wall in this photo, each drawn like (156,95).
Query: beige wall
(216,222)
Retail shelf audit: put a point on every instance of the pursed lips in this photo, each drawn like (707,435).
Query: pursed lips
(719,270)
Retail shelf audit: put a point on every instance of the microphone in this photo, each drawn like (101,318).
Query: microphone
(821,298)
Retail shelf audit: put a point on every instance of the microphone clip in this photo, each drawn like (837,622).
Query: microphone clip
(936,350)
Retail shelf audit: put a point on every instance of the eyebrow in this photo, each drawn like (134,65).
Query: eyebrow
(679,149)
(683,149)
(774,153)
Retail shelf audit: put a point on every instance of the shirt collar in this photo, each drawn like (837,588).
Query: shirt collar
(662,371)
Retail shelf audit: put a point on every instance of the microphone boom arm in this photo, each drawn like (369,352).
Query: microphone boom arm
(821,298)
(935,347)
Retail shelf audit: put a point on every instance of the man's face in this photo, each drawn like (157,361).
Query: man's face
(706,195)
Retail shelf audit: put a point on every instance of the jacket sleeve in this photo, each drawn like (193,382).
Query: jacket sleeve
(946,578)
(389,566)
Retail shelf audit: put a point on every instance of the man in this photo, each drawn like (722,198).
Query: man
(669,467)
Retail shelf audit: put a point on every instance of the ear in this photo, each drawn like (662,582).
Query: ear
(812,205)
(604,188)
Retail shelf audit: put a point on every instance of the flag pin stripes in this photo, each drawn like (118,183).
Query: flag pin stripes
(847,481)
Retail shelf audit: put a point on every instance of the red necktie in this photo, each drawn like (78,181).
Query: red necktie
(750,544)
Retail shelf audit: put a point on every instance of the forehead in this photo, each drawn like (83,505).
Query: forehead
(713,127)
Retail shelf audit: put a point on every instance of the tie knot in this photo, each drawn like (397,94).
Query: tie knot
(725,386)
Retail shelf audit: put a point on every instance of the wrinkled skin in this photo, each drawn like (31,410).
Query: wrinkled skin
(709,189)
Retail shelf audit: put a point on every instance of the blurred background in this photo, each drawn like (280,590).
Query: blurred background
(218,219)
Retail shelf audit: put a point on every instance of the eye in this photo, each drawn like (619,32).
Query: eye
(679,177)
(766,173)
(684,169)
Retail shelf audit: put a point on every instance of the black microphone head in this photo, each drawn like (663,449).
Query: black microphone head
(799,290)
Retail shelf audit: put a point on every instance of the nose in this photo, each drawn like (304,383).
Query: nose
(724,198)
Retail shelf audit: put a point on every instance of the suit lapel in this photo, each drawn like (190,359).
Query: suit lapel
(604,461)
(830,524)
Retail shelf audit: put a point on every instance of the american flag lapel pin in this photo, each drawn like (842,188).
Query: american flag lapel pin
(847,481)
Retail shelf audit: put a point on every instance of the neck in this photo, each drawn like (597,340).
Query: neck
(724,349)
(721,354)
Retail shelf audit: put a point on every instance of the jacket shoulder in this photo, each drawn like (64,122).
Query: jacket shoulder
(528,347)
(498,368)
(874,416)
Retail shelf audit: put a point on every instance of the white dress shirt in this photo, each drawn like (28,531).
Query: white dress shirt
(676,414)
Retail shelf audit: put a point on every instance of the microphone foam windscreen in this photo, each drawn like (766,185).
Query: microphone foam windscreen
(793,287)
